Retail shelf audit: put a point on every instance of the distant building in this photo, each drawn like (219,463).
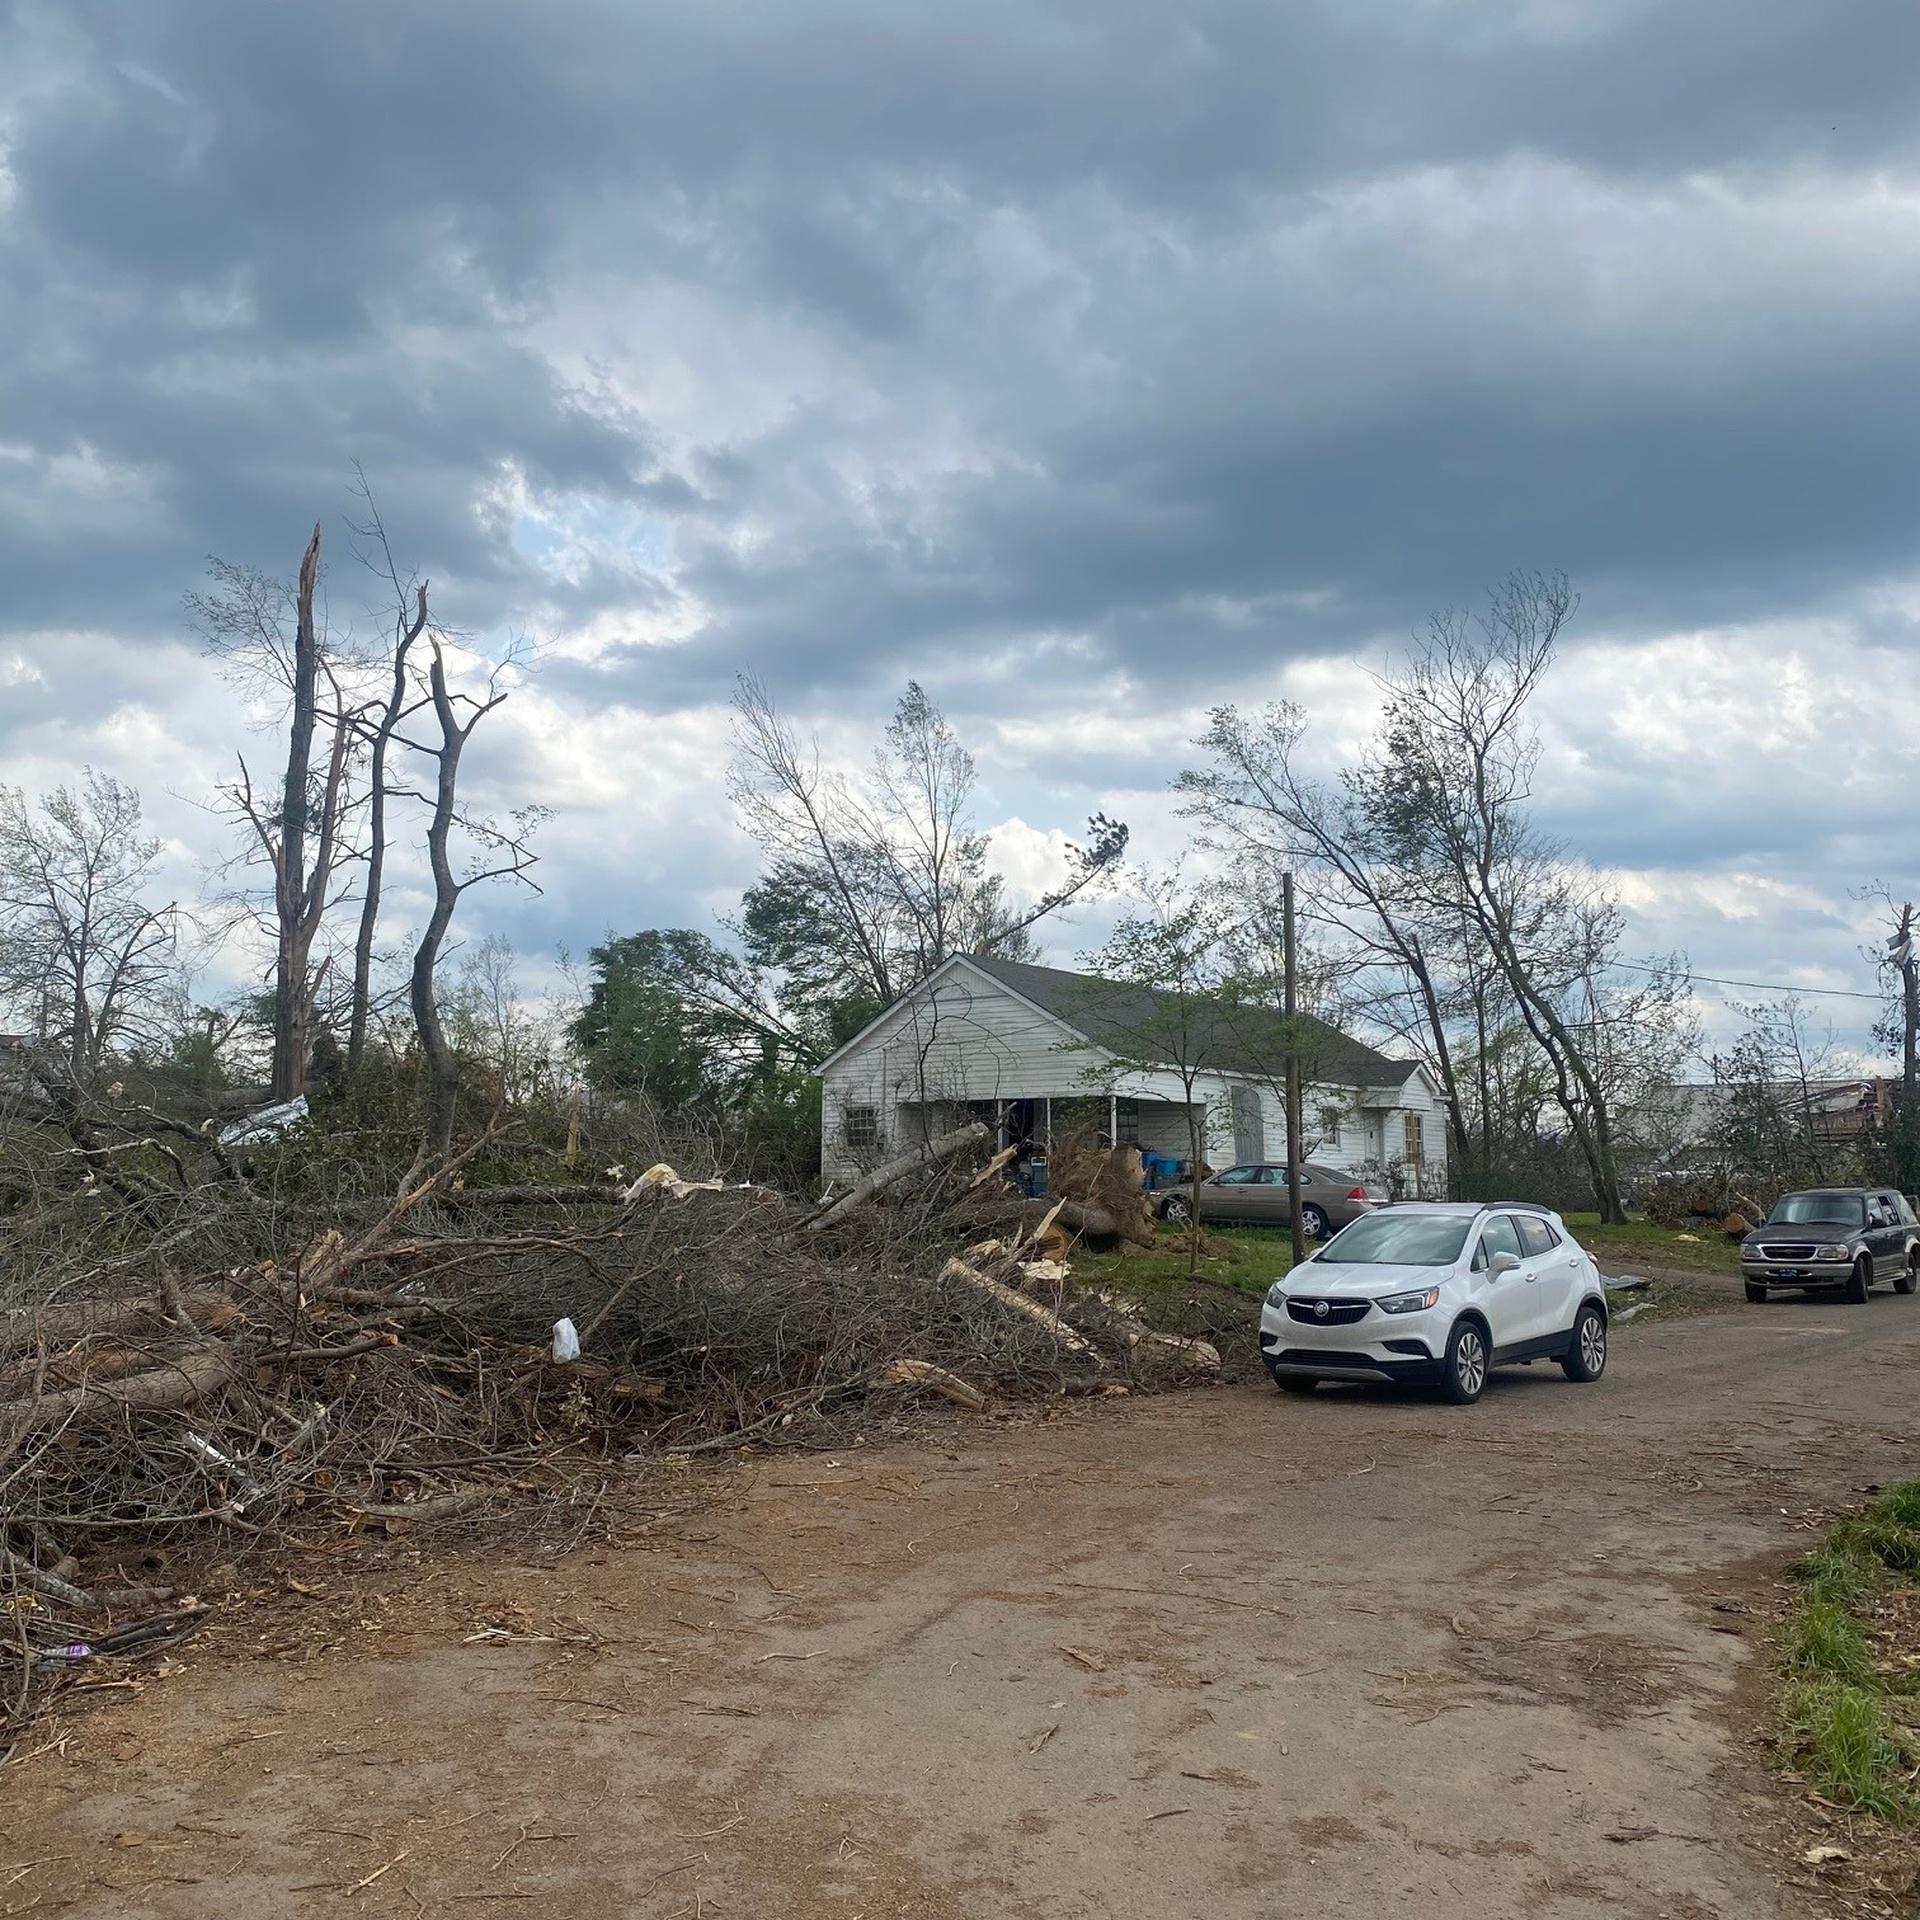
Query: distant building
(1673,1128)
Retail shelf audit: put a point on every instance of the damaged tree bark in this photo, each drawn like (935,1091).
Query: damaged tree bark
(944,1148)
(923,1373)
(178,1384)
(1009,1297)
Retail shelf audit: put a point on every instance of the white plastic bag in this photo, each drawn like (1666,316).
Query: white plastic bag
(566,1341)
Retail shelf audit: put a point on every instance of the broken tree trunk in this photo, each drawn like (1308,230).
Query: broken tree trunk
(1008,1297)
(66,1321)
(177,1384)
(923,1373)
(944,1148)
(1198,1353)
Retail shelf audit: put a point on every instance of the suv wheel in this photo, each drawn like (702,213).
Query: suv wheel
(1860,1284)
(1904,1281)
(1585,1359)
(1464,1373)
(1756,1292)
(1295,1382)
(1313,1222)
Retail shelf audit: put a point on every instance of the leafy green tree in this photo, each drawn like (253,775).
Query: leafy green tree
(649,1025)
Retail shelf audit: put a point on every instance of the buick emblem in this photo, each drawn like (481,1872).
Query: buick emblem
(1319,1309)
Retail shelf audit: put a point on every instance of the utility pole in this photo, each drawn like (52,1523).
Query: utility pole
(1907,1128)
(1901,948)
(1293,1074)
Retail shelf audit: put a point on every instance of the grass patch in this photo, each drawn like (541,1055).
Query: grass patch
(1847,1745)
(1826,1642)
(1839,1722)
(1249,1258)
(1220,1301)
(1705,1249)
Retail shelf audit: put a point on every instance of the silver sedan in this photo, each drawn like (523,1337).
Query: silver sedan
(1256,1195)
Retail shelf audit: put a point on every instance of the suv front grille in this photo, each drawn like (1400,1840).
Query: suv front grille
(1787,1250)
(1339,1313)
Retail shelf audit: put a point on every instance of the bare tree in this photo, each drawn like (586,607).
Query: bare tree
(1765,1131)
(377,727)
(1161,996)
(1255,805)
(879,880)
(270,641)
(502,853)
(85,957)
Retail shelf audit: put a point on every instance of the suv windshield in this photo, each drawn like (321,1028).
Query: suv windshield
(1398,1240)
(1817,1210)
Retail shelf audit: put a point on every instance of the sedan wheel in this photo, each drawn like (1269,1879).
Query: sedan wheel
(1313,1222)
(1177,1209)
(1465,1375)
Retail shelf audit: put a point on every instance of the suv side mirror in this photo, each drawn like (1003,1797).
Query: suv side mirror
(1503,1263)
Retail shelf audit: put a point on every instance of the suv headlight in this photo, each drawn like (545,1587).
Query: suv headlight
(1410,1302)
(1834,1253)
(1277,1294)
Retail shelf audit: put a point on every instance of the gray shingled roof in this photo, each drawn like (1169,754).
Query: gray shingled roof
(1248,1040)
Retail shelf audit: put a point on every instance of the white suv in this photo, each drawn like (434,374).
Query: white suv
(1439,1294)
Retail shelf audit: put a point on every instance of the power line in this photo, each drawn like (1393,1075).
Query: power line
(1758,986)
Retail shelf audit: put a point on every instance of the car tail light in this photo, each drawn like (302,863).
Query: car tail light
(1359,1193)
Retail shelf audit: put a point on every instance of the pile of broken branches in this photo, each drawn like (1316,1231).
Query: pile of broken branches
(206,1371)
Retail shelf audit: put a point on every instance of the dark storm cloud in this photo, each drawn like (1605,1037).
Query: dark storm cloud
(852,341)
(248,246)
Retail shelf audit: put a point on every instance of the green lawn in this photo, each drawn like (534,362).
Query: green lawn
(1250,1258)
(1221,1301)
(1702,1250)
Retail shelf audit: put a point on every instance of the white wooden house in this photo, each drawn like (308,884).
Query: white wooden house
(1040,1053)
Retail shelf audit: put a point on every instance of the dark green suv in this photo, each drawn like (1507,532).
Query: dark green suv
(1841,1238)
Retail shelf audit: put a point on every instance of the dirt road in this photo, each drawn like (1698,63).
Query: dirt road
(1225,1654)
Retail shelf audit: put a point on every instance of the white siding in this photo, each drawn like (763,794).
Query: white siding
(961,1037)
(966,1037)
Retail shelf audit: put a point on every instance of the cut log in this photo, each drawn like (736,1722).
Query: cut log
(1094,1222)
(1196,1353)
(885,1176)
(923,1373)
(180,1383)
(66,1321)
(1007,1297)
(47,1583)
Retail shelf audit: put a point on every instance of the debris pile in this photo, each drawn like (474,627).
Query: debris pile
(210,1370)
(1677,1200)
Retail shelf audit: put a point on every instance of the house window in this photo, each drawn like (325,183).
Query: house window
(862,1127)
(1126,1123)
(1416,1153)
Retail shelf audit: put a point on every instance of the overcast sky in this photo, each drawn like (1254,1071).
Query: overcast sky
(1091,362)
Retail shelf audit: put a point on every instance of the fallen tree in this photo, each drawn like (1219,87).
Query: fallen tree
(946,1147)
